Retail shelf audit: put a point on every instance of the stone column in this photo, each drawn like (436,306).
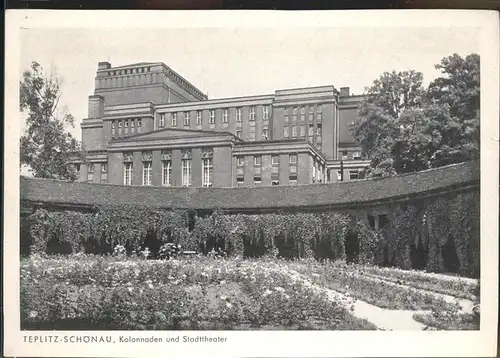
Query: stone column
(176,168)
(157,168)
(137,169)
(196,168)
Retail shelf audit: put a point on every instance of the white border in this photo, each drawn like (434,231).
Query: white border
(266,344)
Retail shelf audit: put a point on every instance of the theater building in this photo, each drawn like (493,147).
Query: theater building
(147,125)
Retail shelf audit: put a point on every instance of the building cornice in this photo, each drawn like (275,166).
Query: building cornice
(347,164)
(91,123)
(170,144)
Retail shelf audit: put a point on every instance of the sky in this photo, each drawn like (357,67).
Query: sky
(229,62)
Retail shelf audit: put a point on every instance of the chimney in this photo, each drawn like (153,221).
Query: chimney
(344,91)
(103,65)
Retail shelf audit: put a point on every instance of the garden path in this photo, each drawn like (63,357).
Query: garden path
(384,319)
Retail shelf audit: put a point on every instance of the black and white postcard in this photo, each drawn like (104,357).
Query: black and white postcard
(257,184)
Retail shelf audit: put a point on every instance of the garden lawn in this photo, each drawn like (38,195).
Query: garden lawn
(91,292)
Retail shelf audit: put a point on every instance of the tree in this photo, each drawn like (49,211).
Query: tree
(389,117)
(405,128)
(46,146)
(454,110)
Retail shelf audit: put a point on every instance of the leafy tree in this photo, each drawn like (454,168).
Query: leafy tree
(405,128)
(389,116)
(46,146)
(454,110)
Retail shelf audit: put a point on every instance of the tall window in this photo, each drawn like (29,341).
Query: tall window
(127,174)
(294,131)
(174,119)
(286,111)
(186,172)
(212,116)
(257,161)
(90,172)
(319,109)
(198,118)
(207,172)
(166,178)
(238,114)
(265,134)
(293,159)
(318,129)
(238,133)
(240,161)
(266,113)
(285,132)
(113,125)
(302,130)
(186,157)
(275,160)
(186,119)
(104,172)
(162,120)
(224,115)
(303,114)
(252,113)
(146,173)
(311,130)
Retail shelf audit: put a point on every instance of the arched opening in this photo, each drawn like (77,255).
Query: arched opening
(56,247)
(152,243)
(388,260)
(450,257)
(352,247)
(418,255)
(285,246)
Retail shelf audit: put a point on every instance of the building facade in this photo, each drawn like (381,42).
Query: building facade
(147,125)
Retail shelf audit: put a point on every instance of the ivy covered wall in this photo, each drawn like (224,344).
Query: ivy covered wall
(439,234)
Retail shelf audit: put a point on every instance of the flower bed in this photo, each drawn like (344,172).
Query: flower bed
(451,319)
(449,285)
(347,279)
(92,293)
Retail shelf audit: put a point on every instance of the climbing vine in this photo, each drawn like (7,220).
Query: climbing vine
(443,232)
